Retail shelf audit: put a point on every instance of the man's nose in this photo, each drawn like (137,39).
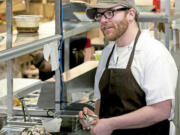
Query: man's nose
(103,19)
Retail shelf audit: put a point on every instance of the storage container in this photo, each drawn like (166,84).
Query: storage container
(27,23)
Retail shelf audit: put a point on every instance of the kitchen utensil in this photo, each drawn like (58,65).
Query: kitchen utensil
(87,118)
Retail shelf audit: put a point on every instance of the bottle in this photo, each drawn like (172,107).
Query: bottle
(156,4)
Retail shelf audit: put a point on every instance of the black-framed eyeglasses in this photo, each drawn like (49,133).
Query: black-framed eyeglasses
(108,14)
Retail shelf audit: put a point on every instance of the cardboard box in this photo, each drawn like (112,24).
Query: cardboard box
(87,1)
(2,28)
(92,2)
(46,10)
(36,8)
(144,3)
(49,11)
(18,5)
(96,35)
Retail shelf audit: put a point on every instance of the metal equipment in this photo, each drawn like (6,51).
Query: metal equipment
(69,8)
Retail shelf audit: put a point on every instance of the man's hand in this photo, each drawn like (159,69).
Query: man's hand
(101,127)
(84,112)
(98,126)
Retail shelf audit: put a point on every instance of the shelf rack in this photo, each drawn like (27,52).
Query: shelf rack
(10,53)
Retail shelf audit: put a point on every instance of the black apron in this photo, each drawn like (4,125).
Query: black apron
(121,94)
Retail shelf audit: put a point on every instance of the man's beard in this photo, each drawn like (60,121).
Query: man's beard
(118,30)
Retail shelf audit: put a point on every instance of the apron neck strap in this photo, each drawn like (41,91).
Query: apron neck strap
(132,53)
(107,63)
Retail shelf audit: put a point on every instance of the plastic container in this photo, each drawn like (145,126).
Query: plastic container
(27,23)
(156,4)
(52,125)
(98,54)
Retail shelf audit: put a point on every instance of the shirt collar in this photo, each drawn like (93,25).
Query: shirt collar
(145,34)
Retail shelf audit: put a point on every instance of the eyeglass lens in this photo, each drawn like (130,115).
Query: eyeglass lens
(108,14)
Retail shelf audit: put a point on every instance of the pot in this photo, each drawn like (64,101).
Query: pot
(27,23)
(3,120)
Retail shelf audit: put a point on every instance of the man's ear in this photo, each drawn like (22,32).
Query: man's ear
(131,15)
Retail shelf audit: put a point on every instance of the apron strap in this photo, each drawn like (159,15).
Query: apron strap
(107,63)
(132,53)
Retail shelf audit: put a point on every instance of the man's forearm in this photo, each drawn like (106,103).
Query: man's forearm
(143,117)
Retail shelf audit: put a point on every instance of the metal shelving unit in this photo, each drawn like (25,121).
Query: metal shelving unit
(26,48)
(160,17)
(11,53)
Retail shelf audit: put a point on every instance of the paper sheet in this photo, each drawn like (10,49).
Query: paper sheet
(50,51)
